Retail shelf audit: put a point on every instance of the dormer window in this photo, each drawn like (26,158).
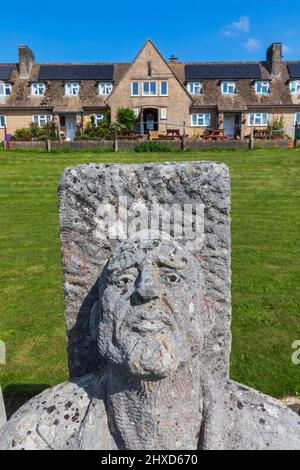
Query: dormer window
(295,87)
(194,88)
(262,88)
(38,89)
(105,88)
(5,89)
(72,89)
(228,88)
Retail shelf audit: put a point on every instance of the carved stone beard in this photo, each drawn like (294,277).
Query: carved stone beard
(165,414)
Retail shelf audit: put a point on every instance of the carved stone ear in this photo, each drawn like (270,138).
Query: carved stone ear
(95,319)
(209,314)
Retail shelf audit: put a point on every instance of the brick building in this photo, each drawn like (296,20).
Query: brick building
(164,94)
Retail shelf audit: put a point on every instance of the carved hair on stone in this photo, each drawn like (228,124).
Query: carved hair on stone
(150,307)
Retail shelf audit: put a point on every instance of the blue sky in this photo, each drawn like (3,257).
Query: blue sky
(114,31)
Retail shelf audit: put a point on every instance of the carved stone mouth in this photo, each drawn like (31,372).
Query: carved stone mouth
(149,326)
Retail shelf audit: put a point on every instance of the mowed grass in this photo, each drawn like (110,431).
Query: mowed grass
(265,265)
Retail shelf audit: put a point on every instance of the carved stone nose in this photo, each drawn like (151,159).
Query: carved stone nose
(147,287)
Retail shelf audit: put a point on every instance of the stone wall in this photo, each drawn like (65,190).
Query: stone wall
(130,145)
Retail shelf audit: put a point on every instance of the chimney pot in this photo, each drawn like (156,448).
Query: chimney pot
(173,59)
(26,61)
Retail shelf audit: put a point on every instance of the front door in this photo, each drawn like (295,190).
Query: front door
(229,125)
(70,127)
(150,120)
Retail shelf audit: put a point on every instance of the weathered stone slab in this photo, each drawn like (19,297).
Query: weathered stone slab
(2,410)
(83,191)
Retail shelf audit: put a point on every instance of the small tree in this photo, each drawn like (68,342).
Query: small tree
(126,118)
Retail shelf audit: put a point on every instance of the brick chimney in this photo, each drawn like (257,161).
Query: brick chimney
(274,56)
(173,59)
(26,61)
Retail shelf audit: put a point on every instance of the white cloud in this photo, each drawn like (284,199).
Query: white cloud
(243,24)
(252,44)
(229,34)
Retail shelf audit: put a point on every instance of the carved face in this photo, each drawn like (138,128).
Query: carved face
(151,307)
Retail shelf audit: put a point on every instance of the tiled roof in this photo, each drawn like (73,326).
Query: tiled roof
(211,91)
(246,96)
(55,93)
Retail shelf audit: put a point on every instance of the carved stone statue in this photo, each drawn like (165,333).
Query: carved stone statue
(153,389)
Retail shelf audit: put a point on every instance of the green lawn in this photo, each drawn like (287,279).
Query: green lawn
(265,263)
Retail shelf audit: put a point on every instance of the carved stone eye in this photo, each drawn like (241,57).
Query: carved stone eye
(171,277)
(126,280)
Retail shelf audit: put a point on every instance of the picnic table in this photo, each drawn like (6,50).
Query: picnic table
(170,134)
(261,134)
(173,133)
(215,134)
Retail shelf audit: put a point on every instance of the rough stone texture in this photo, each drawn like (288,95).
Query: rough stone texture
(157,391)
(84,188)
(2,410)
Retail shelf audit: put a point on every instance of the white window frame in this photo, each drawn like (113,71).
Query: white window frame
(194,88)
(167,88)
(201,119)
(228,85)
(149,82)
(297,119)
(6,89)
(138,88)
(98,118)
(38,89)
(163,113)
(72,89)
(259,85)
(105,88)
(295,87)
(2,121)
(258,119)
(39,118)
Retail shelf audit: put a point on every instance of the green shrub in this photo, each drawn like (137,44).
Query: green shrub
(104,130)
(276,127)
(34,132)
(152,146)
(126,118)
